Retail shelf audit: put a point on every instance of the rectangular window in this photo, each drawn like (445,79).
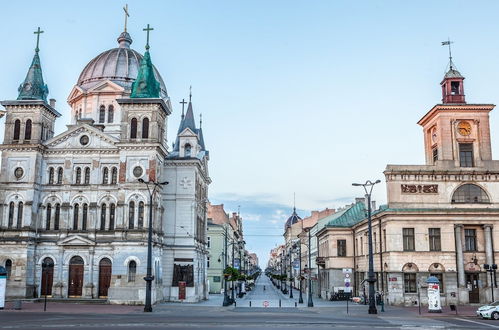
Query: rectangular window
(342,247)
(434,236)
(361,245)
(466,154)
(435,154)
(410,283)
(384,238)
(441,280)
(208,242)
(208,262)
(375,249)
(470,239)
(408,237)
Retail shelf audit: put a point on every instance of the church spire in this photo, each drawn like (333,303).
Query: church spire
(33,87)
(146,85)
(452,84)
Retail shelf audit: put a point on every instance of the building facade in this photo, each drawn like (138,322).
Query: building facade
(75,206)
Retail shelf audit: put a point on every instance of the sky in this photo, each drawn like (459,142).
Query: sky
(300,97)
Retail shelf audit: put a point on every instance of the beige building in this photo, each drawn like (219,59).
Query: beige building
(440,217)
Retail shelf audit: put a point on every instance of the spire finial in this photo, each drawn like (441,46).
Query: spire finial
(190,93)
(183,104)
(38,32)
(200,120)
(294,202)
(148,29)
(448,43)
(125,9)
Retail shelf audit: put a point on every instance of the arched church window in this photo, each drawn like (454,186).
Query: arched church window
(51,175)
(112,211)
(87,175)
(102,114)
(110,114)
(27,130)
(131,215)
(8,267)
(114,175)
(145,128)
(470,194)
(57,216)
(132,271)
(105,175)
(103,217)
(49,215)
(11,214)
(133,128)
(78,175)
(187,150)
(84,217)
(59,175)
(17,129)
(20,208)
(76,211)
(140,221)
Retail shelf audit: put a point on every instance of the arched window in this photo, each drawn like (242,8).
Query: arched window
(131,215)
(57,216)
(470,194)
(132,271)
(59,175)
(103,217)
(17,129)
(49,215)
(114,175)
(27,130)
(20,215)
(51,175)
(140,223)
(8,267)
(84,217)
(87,175)
(133,128)
(11,214)
(76,211)
(102,114)
(187,149)
(112,211)
(145,128)
(78,175)
(105,175)
(110,114)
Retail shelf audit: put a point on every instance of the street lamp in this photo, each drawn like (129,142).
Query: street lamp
(149,277)
(225,276)
(300,299)
(310,302)
(45,269)
(368,188)
(290,275)
(492,270)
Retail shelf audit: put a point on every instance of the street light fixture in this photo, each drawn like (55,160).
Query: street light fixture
(492,270)
(290,275)
(368,188)
(300,299)
(310,302)
(149,277)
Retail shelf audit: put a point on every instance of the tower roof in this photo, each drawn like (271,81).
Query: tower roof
(189,122)
(294,218)
(33,87)
(146,85)
(452,73)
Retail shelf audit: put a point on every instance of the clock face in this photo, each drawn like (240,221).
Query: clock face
(464,128)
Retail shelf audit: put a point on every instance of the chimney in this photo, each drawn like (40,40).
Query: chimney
(52,103)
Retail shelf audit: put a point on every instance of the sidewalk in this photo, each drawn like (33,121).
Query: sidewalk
(72,308)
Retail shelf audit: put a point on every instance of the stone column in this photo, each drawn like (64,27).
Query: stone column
(488,249)
(460,260)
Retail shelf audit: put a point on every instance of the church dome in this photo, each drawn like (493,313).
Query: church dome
(119,65)
(294,218)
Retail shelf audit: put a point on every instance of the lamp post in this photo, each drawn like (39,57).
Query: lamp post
(290,275)
(300,299)
(45,268)
(492,270)
(310,302)
(368,188)
(149,277)
(226,277)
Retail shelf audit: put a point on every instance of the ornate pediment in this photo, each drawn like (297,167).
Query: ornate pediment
(106,86)
(76,240)
(82,137)
(187,132)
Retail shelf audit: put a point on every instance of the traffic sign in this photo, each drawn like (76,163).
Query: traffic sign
(347,280)
(347,270)
(347,284)
(347,275)
(265,303)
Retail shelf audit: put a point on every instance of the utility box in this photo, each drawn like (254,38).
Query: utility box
(434,295)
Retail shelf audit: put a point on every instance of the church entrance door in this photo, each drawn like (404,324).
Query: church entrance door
(472,284)
(75,285)
(105,270)
(47,277)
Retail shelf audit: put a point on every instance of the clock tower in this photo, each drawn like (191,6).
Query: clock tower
(457,134)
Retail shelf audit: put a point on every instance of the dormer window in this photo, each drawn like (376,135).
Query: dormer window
(187,150)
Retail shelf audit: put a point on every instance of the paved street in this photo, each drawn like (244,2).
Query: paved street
(211,315)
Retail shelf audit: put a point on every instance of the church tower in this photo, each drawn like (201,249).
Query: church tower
(456,133)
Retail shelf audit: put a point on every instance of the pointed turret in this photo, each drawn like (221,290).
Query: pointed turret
(33,87)
(146,85)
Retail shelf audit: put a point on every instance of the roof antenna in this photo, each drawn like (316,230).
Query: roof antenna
(448,43)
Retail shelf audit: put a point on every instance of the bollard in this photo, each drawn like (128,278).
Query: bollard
(235,303)
(279,302)
(250,303)
(296,304)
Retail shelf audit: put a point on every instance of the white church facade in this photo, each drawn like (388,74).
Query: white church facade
(73,210)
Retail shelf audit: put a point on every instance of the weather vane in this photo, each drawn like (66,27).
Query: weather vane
(448,43)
